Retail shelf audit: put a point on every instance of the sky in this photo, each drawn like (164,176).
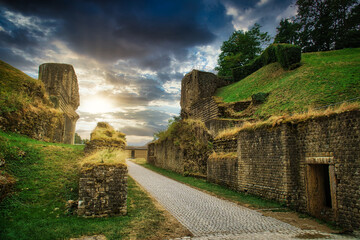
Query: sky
(129,56)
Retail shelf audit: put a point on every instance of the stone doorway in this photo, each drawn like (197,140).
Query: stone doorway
(133,154)
(321,197)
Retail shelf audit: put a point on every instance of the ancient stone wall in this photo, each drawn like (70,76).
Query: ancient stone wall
(217,125)
(196,86)
(223,170)
(330,146)
(204,110)
(313,166)
(165,154)
(185,149)
(225,145)
(62,86)
(102,190)
(263,163)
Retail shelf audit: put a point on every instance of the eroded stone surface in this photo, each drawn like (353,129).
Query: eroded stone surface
(195,86)
(102,190)
(62,86)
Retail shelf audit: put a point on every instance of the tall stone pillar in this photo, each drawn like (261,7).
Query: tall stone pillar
(62,86)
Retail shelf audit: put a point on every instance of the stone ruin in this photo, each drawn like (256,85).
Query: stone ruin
(197,86)
(103,183)
(311,165)
(62,86)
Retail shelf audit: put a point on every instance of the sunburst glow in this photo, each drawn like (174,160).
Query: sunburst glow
(97,105)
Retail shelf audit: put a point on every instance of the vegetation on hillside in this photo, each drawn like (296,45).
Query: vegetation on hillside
(289,57)
(240,49)
(25,107)
(192,136)
(46,177)
(17,90)
(324,78)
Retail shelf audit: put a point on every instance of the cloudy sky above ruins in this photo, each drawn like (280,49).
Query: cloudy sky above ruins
(129,56)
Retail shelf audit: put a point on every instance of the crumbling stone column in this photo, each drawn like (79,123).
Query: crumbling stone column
(62,86)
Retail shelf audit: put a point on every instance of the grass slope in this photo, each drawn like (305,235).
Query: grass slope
(18,89)
(323,78)
(47,176)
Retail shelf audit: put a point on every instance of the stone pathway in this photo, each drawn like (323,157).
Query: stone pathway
(208,217)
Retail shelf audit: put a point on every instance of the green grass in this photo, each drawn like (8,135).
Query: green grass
(18,89)
(245,199)
(47,176)
(323,78)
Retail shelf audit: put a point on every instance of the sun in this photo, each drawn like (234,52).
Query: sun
(97,105)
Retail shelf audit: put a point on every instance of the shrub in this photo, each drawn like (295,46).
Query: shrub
(244,71)
(269,55)
(288,55)
(259,98)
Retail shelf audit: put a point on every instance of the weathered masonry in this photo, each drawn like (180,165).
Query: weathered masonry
(102,190)
(313,166)
(62,86)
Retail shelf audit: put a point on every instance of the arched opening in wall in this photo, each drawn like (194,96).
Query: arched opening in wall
(132,153)
(320,190)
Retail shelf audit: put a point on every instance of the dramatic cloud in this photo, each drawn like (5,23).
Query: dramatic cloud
(129,56)
(267,13)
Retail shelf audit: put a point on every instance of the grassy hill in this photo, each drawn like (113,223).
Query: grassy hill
(323,78)
(18,89)
(25,107)
(47,175)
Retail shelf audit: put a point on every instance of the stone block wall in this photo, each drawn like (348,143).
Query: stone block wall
(196,86)
(263,163)
(223,170)
(225,145)
(167,155)
(332,142)
(217,125)
(204,110)
(102,190)
(312,165)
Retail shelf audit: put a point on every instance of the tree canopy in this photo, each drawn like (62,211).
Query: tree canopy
(322,25)
(288,32)
(241,48)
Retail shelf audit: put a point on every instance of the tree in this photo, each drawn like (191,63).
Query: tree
(288,32)
(77,139)
(327,24)
(241,48)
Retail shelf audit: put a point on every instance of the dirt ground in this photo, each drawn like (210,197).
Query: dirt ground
(304,223)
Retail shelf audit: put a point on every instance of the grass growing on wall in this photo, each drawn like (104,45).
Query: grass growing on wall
(107,156)
(245,199)
(47,176)
(104,132)
(323,78)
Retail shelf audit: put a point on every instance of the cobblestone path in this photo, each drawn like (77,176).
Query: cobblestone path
(208,217)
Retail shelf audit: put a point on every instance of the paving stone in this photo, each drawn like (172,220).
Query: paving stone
(208,217)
